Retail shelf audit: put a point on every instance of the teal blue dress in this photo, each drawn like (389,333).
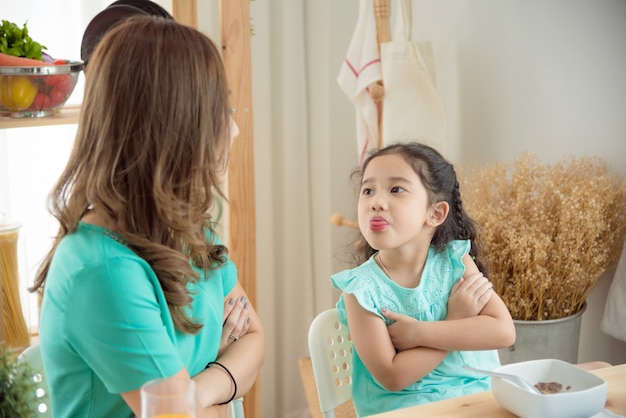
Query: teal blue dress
(105,327)
(427,302)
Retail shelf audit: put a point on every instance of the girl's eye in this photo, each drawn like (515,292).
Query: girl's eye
(367,191)
(397,189)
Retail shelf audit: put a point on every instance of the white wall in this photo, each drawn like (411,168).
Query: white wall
(547,77)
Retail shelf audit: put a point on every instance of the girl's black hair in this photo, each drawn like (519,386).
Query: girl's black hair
(441,183)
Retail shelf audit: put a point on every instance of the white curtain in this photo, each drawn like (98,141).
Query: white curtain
(304,136)
(291,75)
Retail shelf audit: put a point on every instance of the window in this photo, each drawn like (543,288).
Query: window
(32,158)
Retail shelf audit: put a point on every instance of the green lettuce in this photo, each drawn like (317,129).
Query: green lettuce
(15,41)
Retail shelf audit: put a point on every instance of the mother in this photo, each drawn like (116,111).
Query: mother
(138,284)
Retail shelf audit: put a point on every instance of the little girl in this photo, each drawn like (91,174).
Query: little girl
(418,308)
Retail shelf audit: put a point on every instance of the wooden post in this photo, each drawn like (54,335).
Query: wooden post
(235,26)
(185,12)
(235,38)
(382,12)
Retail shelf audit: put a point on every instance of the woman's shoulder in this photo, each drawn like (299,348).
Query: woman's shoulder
(87,241)
(93,254)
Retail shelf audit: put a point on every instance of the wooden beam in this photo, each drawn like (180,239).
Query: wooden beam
(235,28)
(185,12)
(235,39)
(382,12)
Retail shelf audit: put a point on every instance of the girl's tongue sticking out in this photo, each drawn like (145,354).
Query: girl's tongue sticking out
(378,223)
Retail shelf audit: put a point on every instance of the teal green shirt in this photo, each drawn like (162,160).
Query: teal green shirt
(105,327)
(426,302)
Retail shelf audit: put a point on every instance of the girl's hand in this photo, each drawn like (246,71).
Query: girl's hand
(236,321)
(469,296)
(403,332)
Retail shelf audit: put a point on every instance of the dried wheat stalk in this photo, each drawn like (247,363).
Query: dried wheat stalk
(548,231)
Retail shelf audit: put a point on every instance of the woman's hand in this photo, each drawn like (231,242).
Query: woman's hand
(469,296)
(243,358)
(236,321)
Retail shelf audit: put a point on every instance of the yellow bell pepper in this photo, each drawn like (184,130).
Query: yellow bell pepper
(17,92)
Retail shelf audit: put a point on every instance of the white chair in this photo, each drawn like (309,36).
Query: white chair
(330,347)
(236,408)
(32,356)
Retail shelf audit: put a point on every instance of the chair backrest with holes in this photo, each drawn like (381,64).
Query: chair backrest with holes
(331,356)
(32,356)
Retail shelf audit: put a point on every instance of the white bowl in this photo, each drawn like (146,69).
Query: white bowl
(583,394)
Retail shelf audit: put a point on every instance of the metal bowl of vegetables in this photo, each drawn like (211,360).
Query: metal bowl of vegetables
(32,83)
(37,90)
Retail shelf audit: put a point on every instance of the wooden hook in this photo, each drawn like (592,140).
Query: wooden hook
(337,219)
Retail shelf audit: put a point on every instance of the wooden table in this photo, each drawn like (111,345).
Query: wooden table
(484,404)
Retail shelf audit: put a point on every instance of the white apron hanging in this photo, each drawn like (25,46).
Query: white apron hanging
(412,109)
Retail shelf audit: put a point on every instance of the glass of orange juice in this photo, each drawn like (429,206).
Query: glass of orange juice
(168,398)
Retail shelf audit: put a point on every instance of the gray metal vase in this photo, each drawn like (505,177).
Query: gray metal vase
(555,338)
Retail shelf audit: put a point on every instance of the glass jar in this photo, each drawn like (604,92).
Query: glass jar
(13,328)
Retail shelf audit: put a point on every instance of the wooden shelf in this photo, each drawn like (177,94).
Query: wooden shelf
(67,116)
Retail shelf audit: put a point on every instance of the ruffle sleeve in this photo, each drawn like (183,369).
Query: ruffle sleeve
(358,283)
(457,249)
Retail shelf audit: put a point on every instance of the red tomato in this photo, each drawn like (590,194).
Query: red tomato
(41,102)
(56,79)
(57,96)
(66,84)
(59,62)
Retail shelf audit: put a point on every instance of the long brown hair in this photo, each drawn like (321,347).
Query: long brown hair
(152,142)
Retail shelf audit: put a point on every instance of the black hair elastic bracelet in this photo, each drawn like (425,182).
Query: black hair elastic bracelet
(209,364)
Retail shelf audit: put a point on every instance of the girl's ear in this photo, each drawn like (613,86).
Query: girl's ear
(438,213)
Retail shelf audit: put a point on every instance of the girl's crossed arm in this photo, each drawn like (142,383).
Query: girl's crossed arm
(371,340)
(491,327)
(406,351)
